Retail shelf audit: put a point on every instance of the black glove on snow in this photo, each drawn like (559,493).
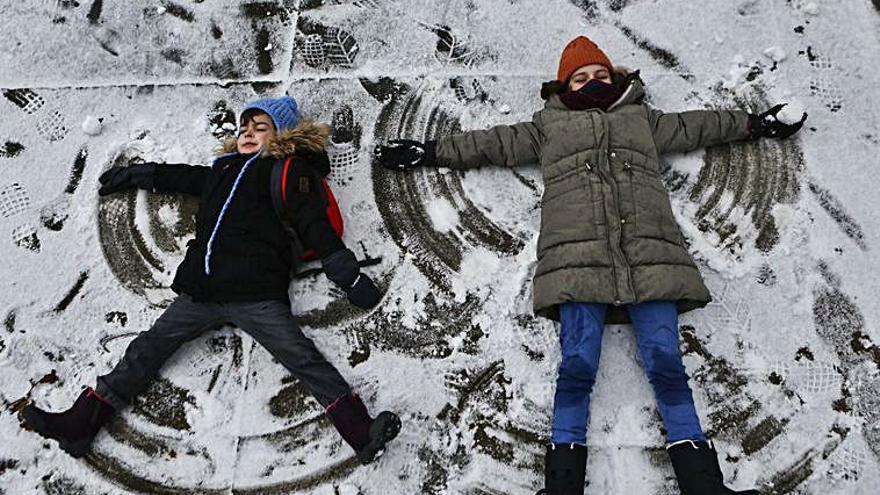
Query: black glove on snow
(131,177)
(767,125)
(342,269)
(403,154)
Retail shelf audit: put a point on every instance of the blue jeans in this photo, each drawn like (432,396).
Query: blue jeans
(656,328)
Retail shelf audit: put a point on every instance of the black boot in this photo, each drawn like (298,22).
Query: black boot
(367,436)
(75,428)
(696,468)
(565,467)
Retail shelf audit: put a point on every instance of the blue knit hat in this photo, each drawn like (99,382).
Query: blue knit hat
(283,110)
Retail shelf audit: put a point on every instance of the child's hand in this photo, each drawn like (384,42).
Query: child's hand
(403,154)
(124,178)
(343,270)
(363,293)
(768,124)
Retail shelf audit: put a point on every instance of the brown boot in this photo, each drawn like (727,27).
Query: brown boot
(75,428)
(367,436)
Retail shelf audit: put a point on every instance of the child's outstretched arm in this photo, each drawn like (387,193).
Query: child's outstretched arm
(695,129)
(688,131)
(176,177)
(502,145)
(308,214)
(165,177)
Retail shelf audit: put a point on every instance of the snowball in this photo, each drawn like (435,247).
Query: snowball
(791,113)
(775,53)
(811,8)
(91,126)
(268,48)
(504,109)
(161,9)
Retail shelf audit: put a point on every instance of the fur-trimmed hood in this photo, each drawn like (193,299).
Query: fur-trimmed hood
(307,134)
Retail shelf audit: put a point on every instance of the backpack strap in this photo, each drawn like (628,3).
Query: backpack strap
(278,193)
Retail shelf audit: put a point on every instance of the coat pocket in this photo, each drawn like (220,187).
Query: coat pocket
(568,212)
(653,217)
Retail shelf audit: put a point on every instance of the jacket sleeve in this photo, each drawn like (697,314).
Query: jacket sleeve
(691,130)
(308,211)
(502,145)
(189,179)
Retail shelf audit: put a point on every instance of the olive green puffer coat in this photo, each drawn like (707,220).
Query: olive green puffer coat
(608,234)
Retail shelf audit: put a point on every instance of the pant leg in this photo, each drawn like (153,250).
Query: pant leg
(273,326)
(182,321)
(581,341)
(656,328)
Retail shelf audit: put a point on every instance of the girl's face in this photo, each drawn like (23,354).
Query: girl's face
(587,73)
(255,131)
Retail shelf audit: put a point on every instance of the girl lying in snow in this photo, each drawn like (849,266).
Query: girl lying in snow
(237,270)
(609,249)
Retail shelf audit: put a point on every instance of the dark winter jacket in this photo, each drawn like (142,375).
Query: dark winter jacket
(608,234)
(251,256)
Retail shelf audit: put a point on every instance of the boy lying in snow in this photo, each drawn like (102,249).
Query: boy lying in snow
(237,270)
(609,250)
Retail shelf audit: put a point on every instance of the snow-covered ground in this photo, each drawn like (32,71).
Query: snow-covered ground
(785,362)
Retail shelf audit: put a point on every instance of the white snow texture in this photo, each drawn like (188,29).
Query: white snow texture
(783,363)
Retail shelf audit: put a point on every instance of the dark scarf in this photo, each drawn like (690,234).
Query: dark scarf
(593,95)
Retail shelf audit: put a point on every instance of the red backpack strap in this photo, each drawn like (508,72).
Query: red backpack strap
(284,170)
(281,171)
(333,212)
(278,193)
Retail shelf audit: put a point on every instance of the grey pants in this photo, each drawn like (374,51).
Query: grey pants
(270,323)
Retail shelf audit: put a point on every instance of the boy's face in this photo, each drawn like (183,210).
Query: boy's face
(586,73)
(255,131)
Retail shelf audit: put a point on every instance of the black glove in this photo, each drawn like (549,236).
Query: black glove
(363,293)
(342,269)
(403,154)
(131,177)
(767,125)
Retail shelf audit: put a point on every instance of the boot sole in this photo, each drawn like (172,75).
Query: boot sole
(385,428)
(35,422)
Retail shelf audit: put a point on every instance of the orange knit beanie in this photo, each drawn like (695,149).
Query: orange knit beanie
(579,52)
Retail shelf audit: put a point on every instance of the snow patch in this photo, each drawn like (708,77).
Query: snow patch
(737,73)
(478,261)
(776,53)
(169,215)
(443,215)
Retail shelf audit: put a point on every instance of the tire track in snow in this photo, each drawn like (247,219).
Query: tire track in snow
(837,212)
(747,179)
(130,259)
(841,324)
(403,198)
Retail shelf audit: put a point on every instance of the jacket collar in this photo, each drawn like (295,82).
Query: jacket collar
(632,94)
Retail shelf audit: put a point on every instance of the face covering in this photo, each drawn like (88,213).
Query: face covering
(593,95)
